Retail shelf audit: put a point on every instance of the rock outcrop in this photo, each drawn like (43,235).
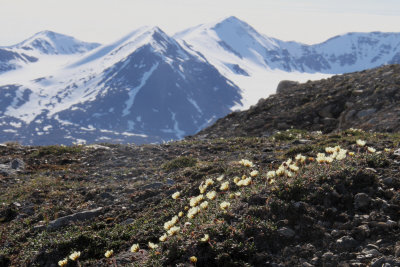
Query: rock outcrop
(369,100)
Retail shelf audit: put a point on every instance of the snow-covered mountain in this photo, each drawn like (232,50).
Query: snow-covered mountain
(142,88)
(39,47)
(150,87)
(256,62)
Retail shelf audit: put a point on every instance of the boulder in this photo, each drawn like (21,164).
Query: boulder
(17,164)
(346,243)
(76,217)
(285,86)
(361,201)
(286,232)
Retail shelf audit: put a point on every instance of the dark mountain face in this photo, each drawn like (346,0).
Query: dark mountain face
(158,92)
(155,98)
(369,100)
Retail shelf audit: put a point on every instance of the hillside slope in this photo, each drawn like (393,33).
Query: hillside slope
(369,100)
(340,209)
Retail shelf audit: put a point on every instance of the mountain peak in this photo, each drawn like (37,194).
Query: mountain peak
(49,34)
(231,20)
(126,45)
(49,42)
(235,26)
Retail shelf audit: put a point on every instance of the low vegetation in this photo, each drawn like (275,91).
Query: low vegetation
(295,198)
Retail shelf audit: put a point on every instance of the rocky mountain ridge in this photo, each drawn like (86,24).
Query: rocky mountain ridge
(368,100)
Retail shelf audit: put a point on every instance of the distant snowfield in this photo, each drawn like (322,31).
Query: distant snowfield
(47,66)
(262,84)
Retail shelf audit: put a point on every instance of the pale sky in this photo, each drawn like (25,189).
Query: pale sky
(104,21)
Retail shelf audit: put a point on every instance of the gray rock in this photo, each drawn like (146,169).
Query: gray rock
(5,170)
(397,251)
(96,147)
(326,112)
(301,141)
(128,221)
(328,256)
(366,112)
(388,181)
(76,217)
(314,260)
(335,233)
(391,223)
(371,252)
(285,86)
(361,201)
(379,262)
(39,227)
(170,181)
(388,73)
(349,115)
(358,92)
(17,164)
(153,186)
(346,243)
(106,195)
(363,231)
(372,246)
(29,210)
(286,232)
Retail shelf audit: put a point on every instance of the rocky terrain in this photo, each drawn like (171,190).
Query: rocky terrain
(368,100)
(257,194)
(56,200)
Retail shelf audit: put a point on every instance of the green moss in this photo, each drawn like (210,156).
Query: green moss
(292,152)
(179,163)
(56,150)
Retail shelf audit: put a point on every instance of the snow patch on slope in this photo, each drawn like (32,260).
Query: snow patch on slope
(133,92)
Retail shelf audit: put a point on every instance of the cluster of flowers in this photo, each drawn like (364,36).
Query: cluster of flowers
(74,257)
(170,227)
(362,143)
(246,163)
(334,153)
(136,247)
(245,181)
(288,168)
(204,185)
(199,203)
